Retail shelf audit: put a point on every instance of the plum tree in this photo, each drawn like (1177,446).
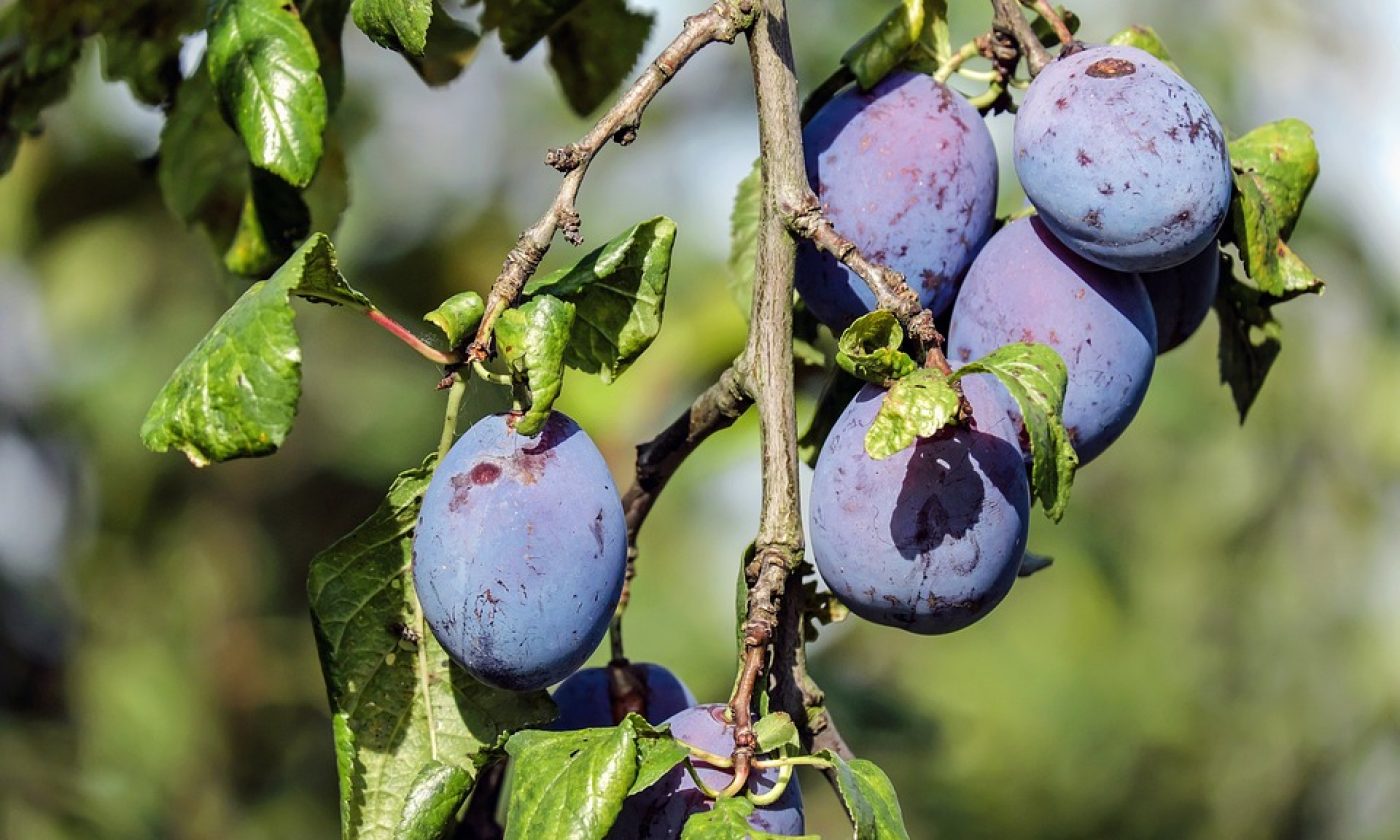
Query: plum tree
(585,698)
(929,539)
(908,171)
(1027,286)
(660,811)
(520,551)
(520,546)
(1123,159)
(1182,296)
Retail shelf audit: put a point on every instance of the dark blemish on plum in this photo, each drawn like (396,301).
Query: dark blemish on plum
(930,279)
(1111,68)
(1151,147)
(1093,219)
(1105,189)
(945,98)
(1062,103)
(1083,158)
(964,354)
(485,473)
(597,529)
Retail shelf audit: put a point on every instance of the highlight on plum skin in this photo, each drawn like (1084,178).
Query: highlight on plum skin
(927,540)
(907,171)
(1123,159)
(1026,286)
(520,552)
(660,811)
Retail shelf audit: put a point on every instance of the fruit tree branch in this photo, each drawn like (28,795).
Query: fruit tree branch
(803,215)
(723,21)
(1046,10)
(715,409)
(778,548)
(1009,21)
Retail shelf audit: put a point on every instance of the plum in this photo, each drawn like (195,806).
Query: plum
(520,551)
(1123,159)
(1027,286)
(584,699)
(660,811)
(1182,296)
(929,539)
(908,172)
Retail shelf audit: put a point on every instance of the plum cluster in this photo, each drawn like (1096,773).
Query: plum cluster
(520,551)
(1128,172)
(518,560)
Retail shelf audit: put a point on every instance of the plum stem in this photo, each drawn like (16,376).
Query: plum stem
(449,420)
(709,792)
(971,49)
(721,22)
(713,759)
(779,787)
(409,338)
(483,373)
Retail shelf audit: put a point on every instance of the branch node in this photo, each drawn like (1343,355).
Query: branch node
(565,159)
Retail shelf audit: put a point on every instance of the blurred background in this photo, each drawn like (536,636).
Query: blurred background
(1215,652)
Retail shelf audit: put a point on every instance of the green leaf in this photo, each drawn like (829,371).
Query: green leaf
(1250,339)
(1032,563)
(743,238)
(1275,166)
(39,46)
(657,753)
(431,808)
(523,23)
(915,407)
(457,316)
(273,221)
(883,48)
(869,798)
(570,785)
(533,338)
(399,25)
(141,44)
(1036,376)
(203,167)
(594,49)
(236,392)
(936,41)
(620,293)
(451,47)
(264,67)
(869,349)
(1144,38)
(775,731)
(727,820)
(388,678)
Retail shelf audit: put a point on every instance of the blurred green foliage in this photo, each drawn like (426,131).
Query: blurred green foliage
(1215,652)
